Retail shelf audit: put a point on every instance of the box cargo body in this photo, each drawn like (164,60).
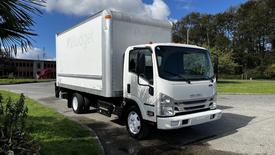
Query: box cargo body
(89,56)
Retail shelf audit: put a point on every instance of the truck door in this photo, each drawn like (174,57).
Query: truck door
(141,81)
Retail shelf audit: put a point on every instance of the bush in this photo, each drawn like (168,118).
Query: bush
(270,72)
(230,76)
(262,72)
(14,135)
(256,73)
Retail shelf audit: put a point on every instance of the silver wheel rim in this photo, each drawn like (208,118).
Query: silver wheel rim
(60,95)
(134,122)
(75,103)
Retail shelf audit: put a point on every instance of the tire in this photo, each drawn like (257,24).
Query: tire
(136,126)
(69,101)
(57,92)
(87,104)
(77,103)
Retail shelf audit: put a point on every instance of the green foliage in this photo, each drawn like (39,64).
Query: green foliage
(261,72)
(244,34)
(256,73)
(7,81)
(230,76)
(55,133)
(16,23)
(226,61)
(14,135)
(270,71)
(246,86)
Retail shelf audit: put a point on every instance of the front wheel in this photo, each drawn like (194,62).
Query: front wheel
(136,126)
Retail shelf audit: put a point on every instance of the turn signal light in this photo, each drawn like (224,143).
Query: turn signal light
(108,17)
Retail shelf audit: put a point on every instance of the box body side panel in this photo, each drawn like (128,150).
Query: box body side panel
(79,55)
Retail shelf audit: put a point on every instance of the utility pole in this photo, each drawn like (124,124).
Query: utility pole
(44,53)
(207,33)
(188,30)
(208,42)
(187,35)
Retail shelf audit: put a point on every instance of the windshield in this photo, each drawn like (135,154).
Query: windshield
(181,63)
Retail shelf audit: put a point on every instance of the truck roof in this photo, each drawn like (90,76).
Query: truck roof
(153,45)
(118,15)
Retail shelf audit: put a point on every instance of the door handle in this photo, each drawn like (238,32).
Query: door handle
(128,88)
(151,91)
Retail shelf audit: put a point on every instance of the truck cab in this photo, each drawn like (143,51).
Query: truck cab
(172,85)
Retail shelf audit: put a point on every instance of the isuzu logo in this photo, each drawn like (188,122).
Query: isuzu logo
(195,95)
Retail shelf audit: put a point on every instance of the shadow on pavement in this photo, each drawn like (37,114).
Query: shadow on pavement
(223,107)
(190,140)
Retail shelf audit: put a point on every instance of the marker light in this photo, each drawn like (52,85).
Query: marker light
(108,17)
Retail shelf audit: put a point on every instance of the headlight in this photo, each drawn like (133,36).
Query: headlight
(213,104)
(166,106)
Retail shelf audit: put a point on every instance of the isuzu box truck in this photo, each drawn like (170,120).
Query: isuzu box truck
(126,65)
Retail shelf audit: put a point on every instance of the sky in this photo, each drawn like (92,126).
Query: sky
(59,15)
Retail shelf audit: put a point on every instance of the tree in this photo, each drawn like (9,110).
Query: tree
(245,33)
(16,24)
(226,60)
(224,28)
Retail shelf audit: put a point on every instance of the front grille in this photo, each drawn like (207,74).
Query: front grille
(186,106)
(194,107)
(192,102)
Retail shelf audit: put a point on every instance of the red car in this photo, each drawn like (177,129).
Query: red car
(45,74)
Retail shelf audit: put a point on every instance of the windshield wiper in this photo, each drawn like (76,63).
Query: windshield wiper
(178,75)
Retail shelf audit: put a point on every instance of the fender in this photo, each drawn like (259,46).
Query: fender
(129,102)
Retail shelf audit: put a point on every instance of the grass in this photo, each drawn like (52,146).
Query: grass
(246,86)
(7,81)
(55,133)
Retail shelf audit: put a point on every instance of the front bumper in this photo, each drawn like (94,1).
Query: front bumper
(176,122)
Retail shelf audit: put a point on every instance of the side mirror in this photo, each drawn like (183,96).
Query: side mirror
(141,81)
(216,65)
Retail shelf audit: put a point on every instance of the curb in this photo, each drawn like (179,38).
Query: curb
(244,94)
(31,82)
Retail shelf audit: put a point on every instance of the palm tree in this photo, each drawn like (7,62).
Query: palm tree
(16,24)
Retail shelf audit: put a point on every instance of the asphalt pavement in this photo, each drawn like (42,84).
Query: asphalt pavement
(246,127)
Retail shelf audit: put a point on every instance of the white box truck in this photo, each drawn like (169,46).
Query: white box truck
(125,65)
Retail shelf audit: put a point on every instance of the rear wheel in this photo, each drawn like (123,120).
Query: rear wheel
(136,126)
(77,103)
(87,104)
(57,91)
(69,101)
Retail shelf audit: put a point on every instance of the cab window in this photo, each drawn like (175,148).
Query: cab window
(133,61)
(145,65)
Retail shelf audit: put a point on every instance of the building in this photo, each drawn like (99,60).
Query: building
(25,68)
